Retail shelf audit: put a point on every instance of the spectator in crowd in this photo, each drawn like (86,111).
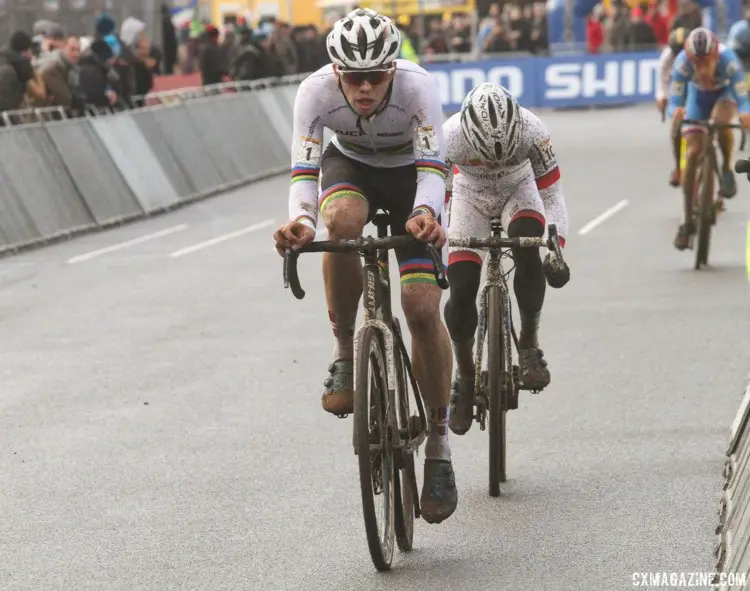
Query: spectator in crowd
(618,26)
(311,49)
(498,41)
(17,76)
(437,41)
(61,77)
(595,29)
(285,49)
(640,35)
(168,41)
(689,15)
(248,62)
(145,66)
(96,76)
(213,68)
(539,29)
(658,16)
(50,39)
(519,33)
(459,32)
(106,28)
(487,26)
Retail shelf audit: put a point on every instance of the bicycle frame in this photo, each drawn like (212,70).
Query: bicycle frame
(709,148)
(376,292)
(495,277)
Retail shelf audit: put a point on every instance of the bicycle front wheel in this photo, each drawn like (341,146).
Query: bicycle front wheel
(497,366)
(375,451)
(404,472)
(705,213)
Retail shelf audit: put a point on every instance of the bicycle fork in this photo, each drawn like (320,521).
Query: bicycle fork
(372,292)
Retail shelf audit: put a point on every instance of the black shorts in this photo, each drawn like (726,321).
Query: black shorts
(389,189)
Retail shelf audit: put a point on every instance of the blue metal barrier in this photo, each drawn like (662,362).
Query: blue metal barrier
(556,82)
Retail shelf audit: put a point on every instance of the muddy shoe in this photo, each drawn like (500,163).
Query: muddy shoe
(338,398)
(534,372)
(682,239)
(728,187)
(439,495)
(461,406)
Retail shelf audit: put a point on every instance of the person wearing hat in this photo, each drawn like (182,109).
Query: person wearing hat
(106,29)
(96,76)
(213,68)
(17,76)
(51,41)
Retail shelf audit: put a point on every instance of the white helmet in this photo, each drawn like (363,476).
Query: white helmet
(491,121)
(363,40)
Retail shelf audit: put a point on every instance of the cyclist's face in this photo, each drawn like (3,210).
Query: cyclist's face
(705,69)
(365,90)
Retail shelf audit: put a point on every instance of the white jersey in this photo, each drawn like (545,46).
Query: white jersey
(534,158)
(407,129)
(666,61)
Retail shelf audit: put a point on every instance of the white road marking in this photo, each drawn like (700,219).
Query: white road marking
(222,238)
(95,253)
(603,217)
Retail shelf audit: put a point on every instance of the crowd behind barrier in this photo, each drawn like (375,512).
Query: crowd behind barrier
(64,177)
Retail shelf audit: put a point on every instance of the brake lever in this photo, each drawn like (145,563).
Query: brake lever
(438,267)
(553,245)
(291,278)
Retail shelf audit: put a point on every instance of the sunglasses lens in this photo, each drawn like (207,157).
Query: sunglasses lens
(357,78)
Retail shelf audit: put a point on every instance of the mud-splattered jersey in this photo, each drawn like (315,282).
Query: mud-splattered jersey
(534,151)
(407,129)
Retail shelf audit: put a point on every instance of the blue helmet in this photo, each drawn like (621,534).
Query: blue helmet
(741,44)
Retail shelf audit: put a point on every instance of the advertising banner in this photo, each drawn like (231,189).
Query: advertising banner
(555,82)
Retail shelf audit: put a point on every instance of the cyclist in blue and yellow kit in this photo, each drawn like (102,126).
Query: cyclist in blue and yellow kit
(711,76)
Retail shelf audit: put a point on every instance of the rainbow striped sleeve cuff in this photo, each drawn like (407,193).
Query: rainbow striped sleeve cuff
(424,209)
(305,173)
(431,166)
(306,220)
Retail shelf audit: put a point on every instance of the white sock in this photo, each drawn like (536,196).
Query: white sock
(343,332)
(437,446)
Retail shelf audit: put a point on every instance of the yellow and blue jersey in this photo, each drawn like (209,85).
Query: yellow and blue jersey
(728,83)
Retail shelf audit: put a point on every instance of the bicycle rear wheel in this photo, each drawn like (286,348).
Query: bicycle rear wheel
(497,367)
(375,452)
(705,213)
(404,494)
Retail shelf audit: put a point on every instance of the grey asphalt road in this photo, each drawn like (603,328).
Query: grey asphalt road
(161,428)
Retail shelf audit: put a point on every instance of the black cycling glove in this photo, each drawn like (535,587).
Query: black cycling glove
(556,276)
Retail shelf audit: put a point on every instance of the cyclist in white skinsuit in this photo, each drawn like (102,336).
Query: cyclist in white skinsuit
(387,153)
(666,62)
(506,168)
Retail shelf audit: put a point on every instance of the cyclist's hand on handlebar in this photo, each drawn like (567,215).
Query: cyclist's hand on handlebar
(557,275)
(745,120)
(293,235)
(426,228)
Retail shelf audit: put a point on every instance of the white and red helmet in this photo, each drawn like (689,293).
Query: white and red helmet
(701,43)
(363,40)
